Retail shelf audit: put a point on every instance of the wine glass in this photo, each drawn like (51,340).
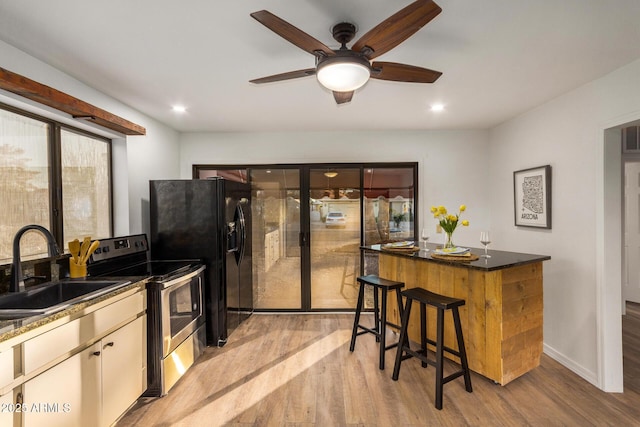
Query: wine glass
(485,240)
(424,236)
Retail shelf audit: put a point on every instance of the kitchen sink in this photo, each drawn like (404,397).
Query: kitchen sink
(49,298)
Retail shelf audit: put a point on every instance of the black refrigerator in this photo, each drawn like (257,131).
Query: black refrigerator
(210,220)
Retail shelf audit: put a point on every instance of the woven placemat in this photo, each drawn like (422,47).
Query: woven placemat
(471,257)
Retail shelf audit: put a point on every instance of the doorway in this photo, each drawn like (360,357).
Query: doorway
(610,251)
(308,227)
(631,250)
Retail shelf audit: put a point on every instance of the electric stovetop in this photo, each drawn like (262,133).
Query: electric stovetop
(129,257)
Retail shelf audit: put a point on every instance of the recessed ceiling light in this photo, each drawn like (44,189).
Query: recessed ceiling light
(437,107)
(179,109)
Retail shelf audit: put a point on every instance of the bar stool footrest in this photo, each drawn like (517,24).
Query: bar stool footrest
(452,376)
(444,348)
(366,330)
(390,346)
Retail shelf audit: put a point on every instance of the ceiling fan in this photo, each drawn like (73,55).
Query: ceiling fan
(344,70)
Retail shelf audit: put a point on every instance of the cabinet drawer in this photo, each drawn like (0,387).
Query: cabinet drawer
(117,313)
(47,347)
(6,367)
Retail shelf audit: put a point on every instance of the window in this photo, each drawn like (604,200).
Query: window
(53,176)
(86,201)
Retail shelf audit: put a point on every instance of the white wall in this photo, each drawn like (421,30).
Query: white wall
(136,159)
(452,164)
(568,134)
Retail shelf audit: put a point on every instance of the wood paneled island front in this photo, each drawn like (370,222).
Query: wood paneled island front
(502,317)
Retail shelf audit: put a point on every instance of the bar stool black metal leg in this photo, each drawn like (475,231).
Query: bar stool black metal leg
(439,357)
(399,302)
(356,320)
(423,332)
(404,340)
(383,329)
(462,350)
(376,310)
(400,314)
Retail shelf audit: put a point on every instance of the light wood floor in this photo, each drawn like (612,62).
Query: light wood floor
(296,370)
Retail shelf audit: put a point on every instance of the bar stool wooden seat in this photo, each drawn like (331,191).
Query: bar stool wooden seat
(380,312)
(441,303)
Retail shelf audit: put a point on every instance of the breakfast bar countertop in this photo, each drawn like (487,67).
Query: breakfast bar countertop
(499,259)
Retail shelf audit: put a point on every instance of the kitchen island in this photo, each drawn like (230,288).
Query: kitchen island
(502,317)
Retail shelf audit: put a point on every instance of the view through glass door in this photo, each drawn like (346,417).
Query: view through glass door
(334,204)
(276,239)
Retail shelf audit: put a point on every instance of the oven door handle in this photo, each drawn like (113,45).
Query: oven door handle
(180,279)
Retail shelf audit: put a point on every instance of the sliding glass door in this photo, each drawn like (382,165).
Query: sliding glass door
(309,222)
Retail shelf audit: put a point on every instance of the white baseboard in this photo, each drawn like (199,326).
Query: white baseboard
(579,370)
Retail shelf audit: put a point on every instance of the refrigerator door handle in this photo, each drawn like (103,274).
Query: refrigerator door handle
(232,237)
(242,233)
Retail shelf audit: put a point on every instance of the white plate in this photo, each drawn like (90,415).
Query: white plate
(452,251)
(405,244)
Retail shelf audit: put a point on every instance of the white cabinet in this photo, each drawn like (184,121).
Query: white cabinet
(123,369)
(85,370)
(6,414)
(66,395)
(6,393)
(94,387)
(6,367)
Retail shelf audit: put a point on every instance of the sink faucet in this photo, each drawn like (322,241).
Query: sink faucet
(17,283)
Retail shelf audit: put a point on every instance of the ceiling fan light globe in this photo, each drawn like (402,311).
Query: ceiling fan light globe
(343,76)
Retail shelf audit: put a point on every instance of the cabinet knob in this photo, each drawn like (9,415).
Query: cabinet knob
(96,353)
(109,344)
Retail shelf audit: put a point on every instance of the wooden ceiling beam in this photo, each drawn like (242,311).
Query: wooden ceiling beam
(78,109)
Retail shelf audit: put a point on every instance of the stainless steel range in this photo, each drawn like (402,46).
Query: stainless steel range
(175,305)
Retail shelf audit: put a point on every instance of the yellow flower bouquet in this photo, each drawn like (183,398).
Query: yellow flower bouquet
(448,222)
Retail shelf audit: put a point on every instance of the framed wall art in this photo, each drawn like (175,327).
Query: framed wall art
(532,197)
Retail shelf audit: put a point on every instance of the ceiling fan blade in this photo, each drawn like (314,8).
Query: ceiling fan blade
(342,97)
(403,73)
(397,28)
(285,76)
(290,33)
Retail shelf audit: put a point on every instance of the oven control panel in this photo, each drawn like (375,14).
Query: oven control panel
(120,246)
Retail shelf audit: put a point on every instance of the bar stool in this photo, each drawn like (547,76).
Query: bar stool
(380,326)
(441,303)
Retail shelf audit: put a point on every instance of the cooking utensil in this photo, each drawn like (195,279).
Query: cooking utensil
(84,248)
(91,249)
(74,249)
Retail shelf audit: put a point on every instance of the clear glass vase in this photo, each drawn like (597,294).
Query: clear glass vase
(448,243)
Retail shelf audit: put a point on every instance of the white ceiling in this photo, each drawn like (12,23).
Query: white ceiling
(499,58)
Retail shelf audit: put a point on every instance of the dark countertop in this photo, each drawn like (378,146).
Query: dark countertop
(499,259)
